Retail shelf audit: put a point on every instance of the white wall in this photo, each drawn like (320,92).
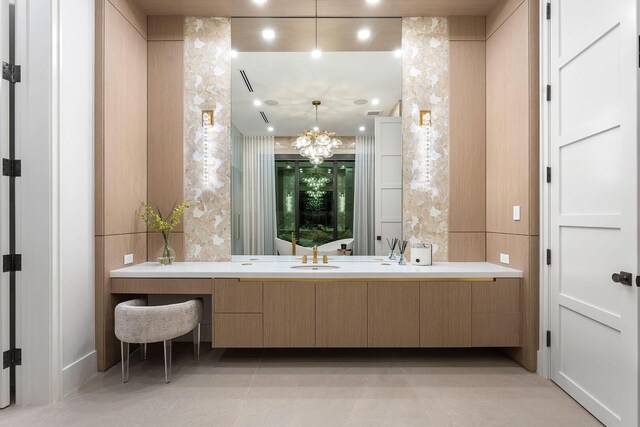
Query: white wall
(76,151)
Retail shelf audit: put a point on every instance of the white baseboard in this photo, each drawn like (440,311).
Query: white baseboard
(79,372)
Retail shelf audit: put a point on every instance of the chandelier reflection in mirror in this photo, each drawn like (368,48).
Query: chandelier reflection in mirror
(317,144)
(315,182)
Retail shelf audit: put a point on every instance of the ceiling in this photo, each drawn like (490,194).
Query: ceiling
(298,34)
(306,8)
(295,79)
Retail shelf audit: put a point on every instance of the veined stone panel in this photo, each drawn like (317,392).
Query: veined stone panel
(425,86)
(207,61)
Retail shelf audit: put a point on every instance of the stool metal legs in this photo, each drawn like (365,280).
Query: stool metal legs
(124,354)
(143,351)
(167,361)
(196,342)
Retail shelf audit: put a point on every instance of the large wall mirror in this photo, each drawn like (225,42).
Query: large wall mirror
(316,135)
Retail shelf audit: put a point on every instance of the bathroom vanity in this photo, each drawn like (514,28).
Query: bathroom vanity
(349,302)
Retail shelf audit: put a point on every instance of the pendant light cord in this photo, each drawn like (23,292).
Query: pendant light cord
(316,26)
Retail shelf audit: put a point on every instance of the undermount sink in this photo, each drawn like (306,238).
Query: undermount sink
(315,266)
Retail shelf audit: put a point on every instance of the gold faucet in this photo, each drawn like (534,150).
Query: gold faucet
(315,254)
(293,244)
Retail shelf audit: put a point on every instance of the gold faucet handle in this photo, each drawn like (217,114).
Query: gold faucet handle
(304,259)
(325,259)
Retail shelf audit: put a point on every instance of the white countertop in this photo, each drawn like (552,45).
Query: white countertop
(349,267)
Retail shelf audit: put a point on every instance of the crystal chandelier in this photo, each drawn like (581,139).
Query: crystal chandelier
(316,144)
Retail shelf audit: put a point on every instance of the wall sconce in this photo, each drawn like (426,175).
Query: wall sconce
(207,140)
(425,124)
(425,117)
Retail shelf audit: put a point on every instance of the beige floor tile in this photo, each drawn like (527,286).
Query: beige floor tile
(314,388)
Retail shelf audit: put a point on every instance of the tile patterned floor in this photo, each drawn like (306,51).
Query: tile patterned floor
(315,388)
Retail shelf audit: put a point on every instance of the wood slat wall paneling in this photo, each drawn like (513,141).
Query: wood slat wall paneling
(125,124)
(165,28)
(394,314)
(467,247)
(133,14)
(534,118)
(523,255)
(499,14)
(508,126)
(166,125)
(112,249)
(341,314)
(465,28)
(445,314)
(467,145)
(99,118)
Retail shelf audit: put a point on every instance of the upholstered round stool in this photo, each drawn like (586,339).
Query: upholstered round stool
(137,323)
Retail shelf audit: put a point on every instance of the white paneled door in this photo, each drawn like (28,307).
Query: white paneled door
(388,182)
(594,205)
(4,204)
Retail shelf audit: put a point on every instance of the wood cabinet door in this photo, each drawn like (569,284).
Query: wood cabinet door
(289,318)
(393,314)
(445,314)
(496,313)
(341,314)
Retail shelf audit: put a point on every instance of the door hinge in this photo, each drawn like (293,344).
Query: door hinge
(12,358)
(548,92)
(11,72)
(548,174)
(12,168)
(548,256)
(549,10)
(12,262)
(548,338)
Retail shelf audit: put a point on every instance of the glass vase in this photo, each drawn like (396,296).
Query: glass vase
(166,254)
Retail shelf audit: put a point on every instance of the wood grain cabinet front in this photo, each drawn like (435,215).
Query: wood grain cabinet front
(289,314)
(233,296)
(341,314)
(393,314)
(496,313)
(445,314)
(237,330)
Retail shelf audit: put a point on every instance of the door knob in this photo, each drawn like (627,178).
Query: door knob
(623,278)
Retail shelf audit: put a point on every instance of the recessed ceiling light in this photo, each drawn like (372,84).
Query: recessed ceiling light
(375,101)
(397,53)
(364,34)
(270,128)
(316,128)
(362,129)
(373,1)
(268,34)
(262,2)
(316,53)
(257,103)
(234,53)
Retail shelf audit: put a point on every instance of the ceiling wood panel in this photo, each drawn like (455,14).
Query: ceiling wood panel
(306,8)
(292,34)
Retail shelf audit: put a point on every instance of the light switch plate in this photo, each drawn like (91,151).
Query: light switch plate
(516,213)
(504,258)
(128,259)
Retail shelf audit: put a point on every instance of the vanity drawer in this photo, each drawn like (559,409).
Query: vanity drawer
(237,330)
(233,296)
